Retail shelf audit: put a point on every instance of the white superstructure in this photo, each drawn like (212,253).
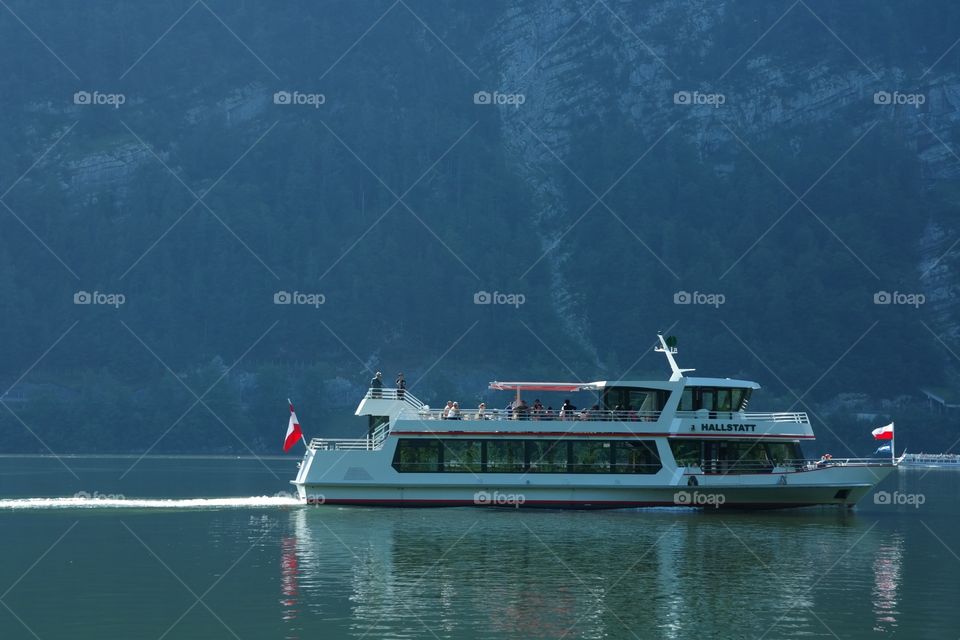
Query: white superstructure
(686,441)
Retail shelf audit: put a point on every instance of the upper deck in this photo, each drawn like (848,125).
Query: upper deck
(589,422)
(680,407)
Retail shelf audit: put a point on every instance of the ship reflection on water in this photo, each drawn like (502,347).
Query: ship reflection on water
(477,573)
(887,566)
(288,577)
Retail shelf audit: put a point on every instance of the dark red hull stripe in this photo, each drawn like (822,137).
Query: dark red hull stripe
(553,504)
(599,434)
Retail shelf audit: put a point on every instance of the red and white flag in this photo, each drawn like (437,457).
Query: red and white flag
(883,433)
(293,430)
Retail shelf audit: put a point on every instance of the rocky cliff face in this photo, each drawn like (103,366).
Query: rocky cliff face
(706,73)
(563,56)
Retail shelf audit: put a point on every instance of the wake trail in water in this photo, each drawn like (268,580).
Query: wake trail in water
(75,502)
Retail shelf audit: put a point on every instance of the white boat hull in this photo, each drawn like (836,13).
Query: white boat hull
(365,478)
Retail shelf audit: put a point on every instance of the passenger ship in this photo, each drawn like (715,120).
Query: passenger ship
(683,442)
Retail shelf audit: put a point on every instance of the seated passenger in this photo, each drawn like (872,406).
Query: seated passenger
(566,410)
(446,410)
(537,411)
(481,411)
(454,413)
(521,411)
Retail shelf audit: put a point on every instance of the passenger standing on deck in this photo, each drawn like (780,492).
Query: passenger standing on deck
(376,385)
(401,386)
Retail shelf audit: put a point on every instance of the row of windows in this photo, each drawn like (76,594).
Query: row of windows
(691,399)
(734,456)
(459,455)
(632,399)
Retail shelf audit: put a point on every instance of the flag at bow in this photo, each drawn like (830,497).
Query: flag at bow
(293,430)
(883,433)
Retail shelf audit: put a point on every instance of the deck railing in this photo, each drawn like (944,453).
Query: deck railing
(931,458)
(504,414)
(395,394)
(371,443)
(755,416)
(733,467)
(426,413)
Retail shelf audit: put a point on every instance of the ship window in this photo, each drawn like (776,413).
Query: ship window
(746,457)
(647,400)
(686,399)
(714,398)
(784,451)
(708,399)
(723,400)
(417,456)
(635,456)
(547,456)
(733,456)
(686,452)
(737,402)
(461,455)
(505,456)
(631,399)
(590,456)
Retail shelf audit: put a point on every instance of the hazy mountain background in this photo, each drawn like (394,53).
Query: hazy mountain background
(796,159)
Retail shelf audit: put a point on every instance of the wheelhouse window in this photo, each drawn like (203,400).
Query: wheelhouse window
(686,400)
(714,399)
(723,400)
(739,395)
(708,399)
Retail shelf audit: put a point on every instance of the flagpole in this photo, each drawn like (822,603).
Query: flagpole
(893,443)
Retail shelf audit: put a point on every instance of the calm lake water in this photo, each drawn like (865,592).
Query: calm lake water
(152,561)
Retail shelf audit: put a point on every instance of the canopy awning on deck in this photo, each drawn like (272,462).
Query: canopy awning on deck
(540,386)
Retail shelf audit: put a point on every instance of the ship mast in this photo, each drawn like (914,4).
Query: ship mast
(669,351)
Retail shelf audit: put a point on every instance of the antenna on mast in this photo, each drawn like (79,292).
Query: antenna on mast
(668,347)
